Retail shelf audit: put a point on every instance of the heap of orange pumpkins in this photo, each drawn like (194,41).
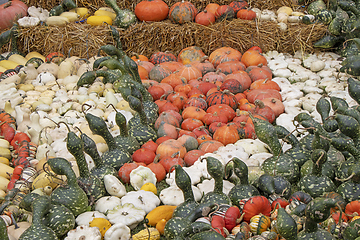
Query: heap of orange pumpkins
(185,11)
(204,103)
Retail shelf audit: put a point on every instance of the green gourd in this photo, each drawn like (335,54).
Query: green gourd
(315,183)
(354,88)
(101,169)
(286,225)
(243,189)
(274,186)
(69,195)
(349,126)
(87,78)
(350,189)
(3,230)
(110,75)
(207,235)
(216,170)
(115,156)
(142,132)
(323,107)
(37,229)
(93,186)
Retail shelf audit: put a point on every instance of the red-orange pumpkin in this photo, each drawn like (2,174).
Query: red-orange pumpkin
(246,14)
(275,104)
(256,205)
(225,97)
(182,12)
(203,65)
(160,57)
(210,146)
(169,147)
(224,54)
(253,58)
(237,5)
(222,109)
(225,12)
(230,67)
(260,94)
(10,12)
(233,85)
(241,76)
(205,18)
(214,77)
(212,7)
(189,72)
(172,65)
(151,10)
(227,134)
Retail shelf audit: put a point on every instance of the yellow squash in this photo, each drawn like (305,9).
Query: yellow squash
(99,20)
(5,170)
(8,64)
(105,13)
(144,234)
(20,60)
(160,212)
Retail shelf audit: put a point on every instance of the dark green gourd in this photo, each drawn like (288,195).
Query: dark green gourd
(317,211)
(351,232)
(323,107)
(320,141)
(216,170)
(242,190)
(115,156)
(101,169)
(349,126)
(280,163)
(37,229)
(3,230)
(286,225)
(297,152)
(70,195)
(92,185)
(207,235)
(142,132)
(274,186)
(350,189)
(124,140)
(109,76)
(315,183)
(354,89)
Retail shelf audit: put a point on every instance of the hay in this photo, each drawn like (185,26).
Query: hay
(147,38)
(130,4)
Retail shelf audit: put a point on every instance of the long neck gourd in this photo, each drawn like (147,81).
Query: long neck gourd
(71,195)
(350,189)
(124,140)
(315,183)
(349,126)
(142,132)
(323,107)
(115,157)
(101,169)
(37,229)
(242,190)
(216,170)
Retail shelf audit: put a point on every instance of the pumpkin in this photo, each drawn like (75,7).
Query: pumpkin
(191,123)
(225,97)
(210,118)
(182,12)
(169,147)
(168,106)
(227,134)
(172,65)
(246,14)
(203,65)
(166,129)
(158,73)
(143,73)
(258,73)
(205,87)
(174,79)
(205,18)
(222,109)
(233,85)
(260,94)
(190,54)
(237,5)
(143,155)
(253,58)
(159,57)
(169,161)
(224,12)
(212,7)
(192,156)
(150,145)
(199,131)
(125,170)
(353,209)
(275,104)
(241,76)
(246,129)
(167,118)
(210,146)
(224,54)
(214,77)
(156,92)
(259,224)
(10,12)
(254,206)
(266,111)
(151,10)
(264,84)
(189,72)
(139,57)
(158,169)
(196,102)
(230,67)
(245,105)
(193,112)
(145,64)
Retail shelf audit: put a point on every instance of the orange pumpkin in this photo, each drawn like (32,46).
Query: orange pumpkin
(257,73)
(11,11)
(192,156)
(189,72)
(224,54)
(241,76)
(203,65)
(230,67)
(212,7)
(260,94)
(160,57)
(169,147)
(193,112)
(246,14)
(227,134)
(172,65)
(151,10)
(253,58)
(205,18)
(264,84)
(275,104)
(182,12)
(210,146)
(174,79)
(237,5)
(139,57)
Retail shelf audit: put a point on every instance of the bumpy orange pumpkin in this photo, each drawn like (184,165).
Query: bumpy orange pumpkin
(182,12)
(190,54)
(151,10)
(10,12)
(227,134)
(224,54)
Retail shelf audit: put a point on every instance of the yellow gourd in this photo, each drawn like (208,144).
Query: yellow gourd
(81,11)
(159,213)
(2,69)
(4,160)
(105,13)
(99,20)
(8,64)
(101,223)
(34,54)
(20,60)
(43,180)
(144,234)
(160,226)
(5,170)
(149,187)
(5,152)
(3,183)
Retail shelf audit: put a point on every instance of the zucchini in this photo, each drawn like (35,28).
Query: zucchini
(37,229)
(70,195)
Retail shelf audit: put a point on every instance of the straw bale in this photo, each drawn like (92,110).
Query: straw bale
(146,38)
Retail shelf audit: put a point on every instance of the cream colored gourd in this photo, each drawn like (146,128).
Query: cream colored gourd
(66,68)
(5,152)
(71,16)
(284,9)
(31,72)
(20,60)
(57,21)
(3,183)
(8,64)
(5,170)
(282,17)
(35,54)
(81,11)
(49,67)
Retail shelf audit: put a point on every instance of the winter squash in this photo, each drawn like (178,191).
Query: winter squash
(353,208)
(174,79)
(182,12)
(254,94)
(189,72)
(199,131)
(237,5)
(190,54)
(151,10)
(214,77)
(225,97)
(210,118)
(246,14)
(191,123)
(205,18)
(159,57)
(232,85)
(230,67)
(275,104)
(139,57)
(256,205)
(203,65)
(158,169)
(11,11)
(227,134)
(241,76)
(151,145)
(222,109)
(168,106)
(192,156)
(143,155)
(257,73)
(169,147)
(143,72)
(212,7)
(205,86)
(266,111)
(125,170)
(224,54)
(224,12)
(193,112)
(169,161)
(145,64)
(264,84)
(158,73)
(210,146)
(253,58)
(156,91)
(196,102)
(166,117)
